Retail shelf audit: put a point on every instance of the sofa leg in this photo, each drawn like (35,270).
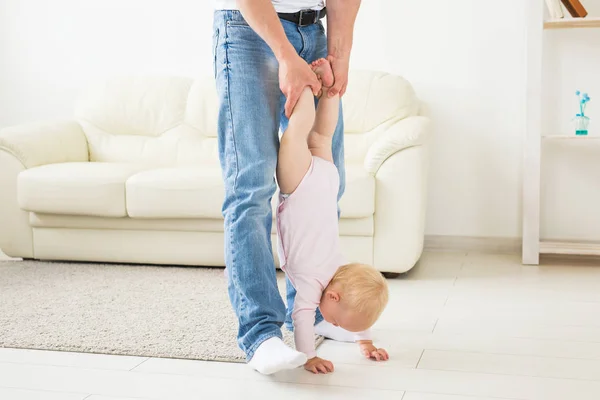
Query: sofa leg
(391,275)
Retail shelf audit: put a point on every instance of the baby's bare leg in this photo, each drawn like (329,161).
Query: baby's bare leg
(294,156)
(320,138)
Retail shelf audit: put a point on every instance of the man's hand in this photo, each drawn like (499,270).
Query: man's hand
(317,365)
(294,75)
(371,352)
(340,67)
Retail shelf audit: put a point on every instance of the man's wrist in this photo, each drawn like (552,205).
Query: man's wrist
(361,342)
(284,52)
(339,54)
(340,47)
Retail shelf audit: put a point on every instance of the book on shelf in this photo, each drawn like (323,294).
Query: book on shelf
(555,9)
(575,8)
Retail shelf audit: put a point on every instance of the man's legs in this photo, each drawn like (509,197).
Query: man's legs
(247,83)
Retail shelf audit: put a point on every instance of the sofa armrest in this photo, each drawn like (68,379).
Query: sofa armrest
(27,146)
(402,134)
(38,144)
(400,210)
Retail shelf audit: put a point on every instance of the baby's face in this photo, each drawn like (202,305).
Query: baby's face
(336,314)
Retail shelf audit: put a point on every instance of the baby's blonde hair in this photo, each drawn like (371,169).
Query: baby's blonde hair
(362,289)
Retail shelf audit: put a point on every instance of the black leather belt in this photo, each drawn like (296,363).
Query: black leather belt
(304,17)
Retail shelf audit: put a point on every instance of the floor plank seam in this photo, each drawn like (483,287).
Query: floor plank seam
(435,325)
(493,353)
(533,338)
(420,357)
(512,375)
(285,382)
(28,389)
(475,396)
(148,358)
(34,364)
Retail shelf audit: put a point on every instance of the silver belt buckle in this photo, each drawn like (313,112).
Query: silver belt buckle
(301,22)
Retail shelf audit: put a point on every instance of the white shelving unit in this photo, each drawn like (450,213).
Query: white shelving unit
(532,245)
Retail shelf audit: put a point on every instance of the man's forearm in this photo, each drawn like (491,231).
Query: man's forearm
(341,15)
(261,16)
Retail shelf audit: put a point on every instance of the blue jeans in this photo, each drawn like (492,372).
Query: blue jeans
(250,116)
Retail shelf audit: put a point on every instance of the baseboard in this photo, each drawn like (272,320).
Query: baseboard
(470,243)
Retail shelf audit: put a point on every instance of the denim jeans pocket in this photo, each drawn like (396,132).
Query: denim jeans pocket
(321,27)
(236,19)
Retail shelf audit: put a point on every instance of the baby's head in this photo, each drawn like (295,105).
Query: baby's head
(355,297)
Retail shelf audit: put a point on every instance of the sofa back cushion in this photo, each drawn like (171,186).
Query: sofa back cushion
(163,121)
(169,121)
(141,106)
(372,102)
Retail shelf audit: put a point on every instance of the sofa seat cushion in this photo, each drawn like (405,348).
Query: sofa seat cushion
(79,188)
(197,192)
(178,192)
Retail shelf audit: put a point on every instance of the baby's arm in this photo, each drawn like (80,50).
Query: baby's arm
(305,306)
(365,341)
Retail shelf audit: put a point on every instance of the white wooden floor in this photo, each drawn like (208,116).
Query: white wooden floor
(458,327)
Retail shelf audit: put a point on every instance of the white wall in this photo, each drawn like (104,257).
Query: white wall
(468,64)
(55,47)
(466,59)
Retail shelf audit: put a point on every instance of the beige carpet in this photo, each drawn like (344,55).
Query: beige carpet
(176,312)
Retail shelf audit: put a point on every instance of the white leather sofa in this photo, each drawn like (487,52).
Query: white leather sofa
(135,178)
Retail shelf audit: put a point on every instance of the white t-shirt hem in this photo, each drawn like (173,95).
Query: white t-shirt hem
(288,6)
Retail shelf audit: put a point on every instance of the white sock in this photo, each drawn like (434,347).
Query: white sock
(336,333)
(273,355)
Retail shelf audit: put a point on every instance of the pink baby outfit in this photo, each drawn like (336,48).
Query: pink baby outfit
(309,245)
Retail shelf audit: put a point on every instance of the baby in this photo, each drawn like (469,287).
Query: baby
(350,296)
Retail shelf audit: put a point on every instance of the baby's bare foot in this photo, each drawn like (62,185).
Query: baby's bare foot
(322,68)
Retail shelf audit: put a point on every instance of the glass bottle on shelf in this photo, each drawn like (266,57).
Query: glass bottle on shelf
(581,121)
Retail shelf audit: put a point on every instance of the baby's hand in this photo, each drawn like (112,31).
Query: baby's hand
(372,352)
(318,365)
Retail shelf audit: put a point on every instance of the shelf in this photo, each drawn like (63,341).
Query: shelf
(570,248)
(535,136)
(572,23)
(571,137)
